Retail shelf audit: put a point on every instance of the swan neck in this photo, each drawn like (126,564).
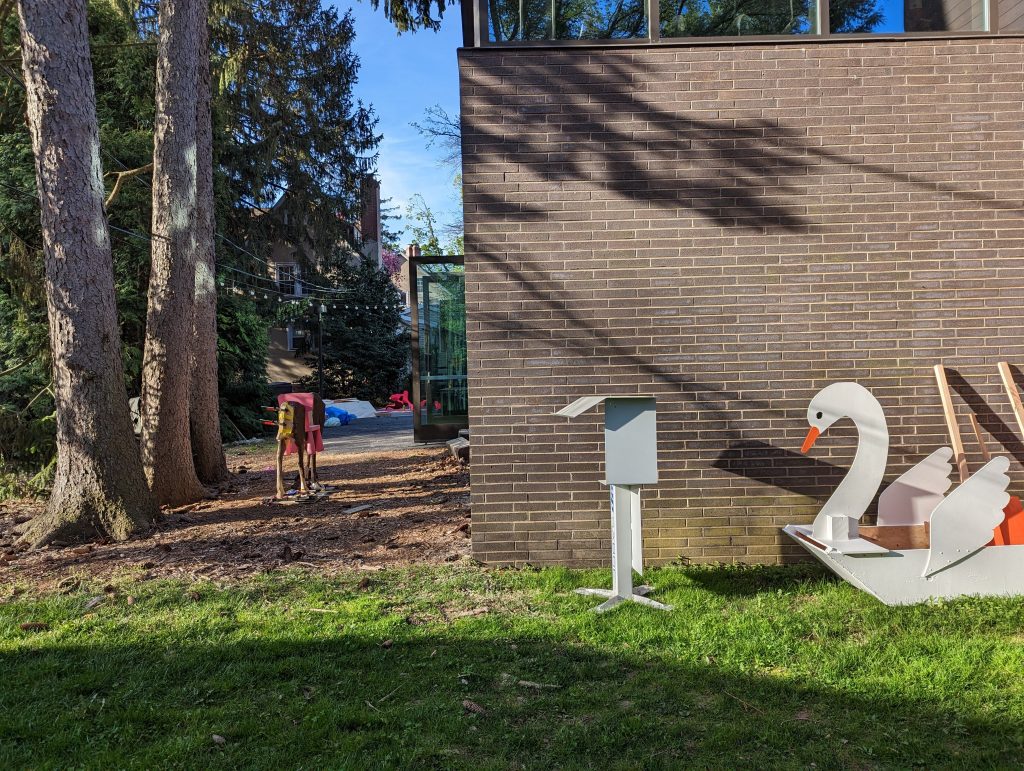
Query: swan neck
(858,488)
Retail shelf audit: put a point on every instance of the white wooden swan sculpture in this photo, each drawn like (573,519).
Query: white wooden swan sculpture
(892,563)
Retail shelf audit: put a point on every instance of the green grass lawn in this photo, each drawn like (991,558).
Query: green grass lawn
(755,668)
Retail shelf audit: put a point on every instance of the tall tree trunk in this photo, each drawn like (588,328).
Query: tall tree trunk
(204,413)
(166,362)
(99,489)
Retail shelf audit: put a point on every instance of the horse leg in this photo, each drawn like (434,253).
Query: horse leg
(280,469)
(314,479)
(301,452)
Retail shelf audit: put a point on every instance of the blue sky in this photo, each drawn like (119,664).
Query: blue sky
(401,76)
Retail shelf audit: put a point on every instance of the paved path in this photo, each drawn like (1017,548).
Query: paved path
(371,435)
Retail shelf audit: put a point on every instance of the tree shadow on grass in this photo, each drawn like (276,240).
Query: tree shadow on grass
(450,697)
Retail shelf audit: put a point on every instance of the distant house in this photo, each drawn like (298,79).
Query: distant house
(289,346)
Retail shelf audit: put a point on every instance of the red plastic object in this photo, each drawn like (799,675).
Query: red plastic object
(401,400)
(314,438)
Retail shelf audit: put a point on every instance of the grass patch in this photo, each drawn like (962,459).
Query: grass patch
(759,667)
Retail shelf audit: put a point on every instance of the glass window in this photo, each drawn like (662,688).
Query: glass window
(566,20)
(512,20)
(288,279)
(895,16)
(1011,16)
(723,18)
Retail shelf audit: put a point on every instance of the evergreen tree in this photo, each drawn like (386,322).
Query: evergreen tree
(166,365)
(99,488)
(297,142)
(124,108)
(365,341)
(260,149)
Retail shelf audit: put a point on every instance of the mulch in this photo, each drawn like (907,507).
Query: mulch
(386,510)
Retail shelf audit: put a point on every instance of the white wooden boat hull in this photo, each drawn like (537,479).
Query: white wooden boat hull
(895,577)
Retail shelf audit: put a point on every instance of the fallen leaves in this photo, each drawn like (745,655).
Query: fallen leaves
(378,519)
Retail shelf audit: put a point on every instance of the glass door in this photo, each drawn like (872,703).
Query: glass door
(440,387)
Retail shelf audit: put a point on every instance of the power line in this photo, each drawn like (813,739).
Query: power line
(253,289)
(221,236)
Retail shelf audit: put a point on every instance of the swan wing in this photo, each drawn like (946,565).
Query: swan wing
(913,496)
(964,521)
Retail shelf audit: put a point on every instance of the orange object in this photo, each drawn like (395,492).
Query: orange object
(812,437)
(1011,531)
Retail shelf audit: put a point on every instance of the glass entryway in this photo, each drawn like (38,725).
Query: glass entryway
(439,372)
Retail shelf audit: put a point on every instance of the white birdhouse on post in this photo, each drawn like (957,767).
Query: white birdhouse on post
(631,460)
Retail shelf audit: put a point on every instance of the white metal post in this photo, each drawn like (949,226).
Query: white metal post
(631,460)
(622,558)
(627,555)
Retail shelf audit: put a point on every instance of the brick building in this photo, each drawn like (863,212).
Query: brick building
(730,224)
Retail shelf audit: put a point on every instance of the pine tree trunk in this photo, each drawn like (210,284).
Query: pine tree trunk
(166,362)
(204,414)
(99,489)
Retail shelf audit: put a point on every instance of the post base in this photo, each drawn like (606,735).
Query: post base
(639,595)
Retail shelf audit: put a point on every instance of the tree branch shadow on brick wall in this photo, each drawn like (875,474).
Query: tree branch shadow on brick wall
(755,162)
(745,174)
(779,467)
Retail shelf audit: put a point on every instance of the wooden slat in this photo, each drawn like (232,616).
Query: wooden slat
(951,425)
(1011,391)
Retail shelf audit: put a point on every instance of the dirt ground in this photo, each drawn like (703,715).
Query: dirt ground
(387,509)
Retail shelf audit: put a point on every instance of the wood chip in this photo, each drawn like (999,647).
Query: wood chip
(34,626)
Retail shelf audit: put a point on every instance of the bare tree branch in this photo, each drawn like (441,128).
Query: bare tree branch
(121,177)
(445,132)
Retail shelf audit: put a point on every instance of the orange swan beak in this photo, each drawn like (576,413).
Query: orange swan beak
(812,437)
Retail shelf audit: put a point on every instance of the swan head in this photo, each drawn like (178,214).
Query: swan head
(834,402)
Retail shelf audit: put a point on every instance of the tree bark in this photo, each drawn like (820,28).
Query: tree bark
(99,489)
(204,413)
(166,362)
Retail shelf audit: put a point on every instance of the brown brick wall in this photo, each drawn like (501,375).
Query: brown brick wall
(730,228)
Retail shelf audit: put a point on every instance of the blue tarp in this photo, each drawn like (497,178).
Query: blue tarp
(344,418)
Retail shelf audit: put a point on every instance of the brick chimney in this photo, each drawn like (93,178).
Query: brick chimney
(369,218)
